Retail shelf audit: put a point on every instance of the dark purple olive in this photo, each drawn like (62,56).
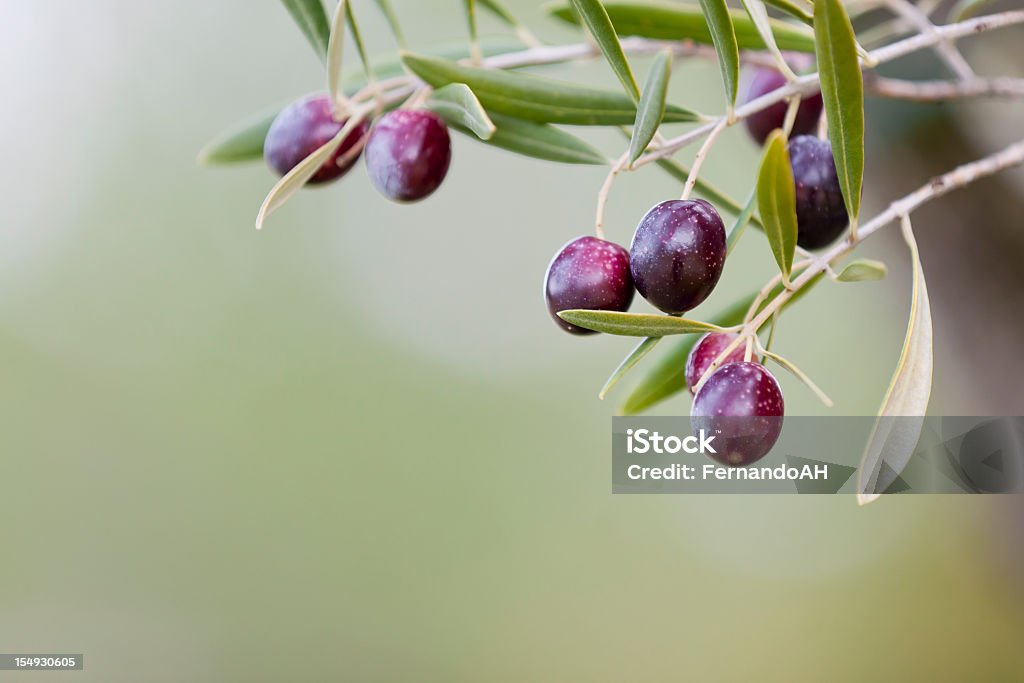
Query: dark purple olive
(820,212)
(588,273)
(408,154)
(704,353)
(762,81)
(677,254)
(300,129)
(741,403)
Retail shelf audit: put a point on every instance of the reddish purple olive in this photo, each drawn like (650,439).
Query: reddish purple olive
(762,81)
(588,273)
(408,154)
(677,254)
(820,212)
(704,353)
(304,126)
(742,405)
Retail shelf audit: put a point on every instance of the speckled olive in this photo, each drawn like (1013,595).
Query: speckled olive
(588,273)
(742,405)
(408,154)
(300,129)
(704,353)
(761,81)
(820,211)
(677,254)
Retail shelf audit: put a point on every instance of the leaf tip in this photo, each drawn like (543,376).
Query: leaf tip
(867,498)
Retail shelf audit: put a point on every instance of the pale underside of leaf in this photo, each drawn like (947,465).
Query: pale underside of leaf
(457,105)
(759,15)
(296,178)
(651,109)
(336,53)
(634,324)
(900,420)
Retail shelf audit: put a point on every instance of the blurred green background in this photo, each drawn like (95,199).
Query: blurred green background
(354,447)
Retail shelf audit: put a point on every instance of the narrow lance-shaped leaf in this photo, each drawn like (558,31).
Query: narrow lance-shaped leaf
(241,142)
(797,9)
(296,178)
(668,376)
(662,20)
(458,106)
(842,90)
(593,14)
(634,324)
(630,361)
(541,141)
(651,109)
(759,15)
(311,19)
(800,375)
(898,427)
(389,15)
(336,53)
(357,38)
(863,270)
(776,200)
(535,98)
(716,12)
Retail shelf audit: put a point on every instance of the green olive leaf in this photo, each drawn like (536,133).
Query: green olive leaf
(458,106)
(651,109)
(628,363)
(634,324)
(392,19)
(241,142)
(800,375)
(668,376)
(863,270)
(662,20)
(593,14)
(541,141)
(723,35)
(776,201)
(535,98)
(310,17)
(842,90)
(895,435)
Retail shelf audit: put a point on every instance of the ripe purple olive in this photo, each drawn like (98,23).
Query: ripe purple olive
(704,353)
(742,405)
(762,81)
(677,254)
(820,212)
(588,273)
(408,154)
(304,126)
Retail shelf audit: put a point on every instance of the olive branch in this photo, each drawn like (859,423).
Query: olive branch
(487,90)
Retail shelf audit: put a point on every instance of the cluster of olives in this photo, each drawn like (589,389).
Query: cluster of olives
(676,259)
(408,151)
